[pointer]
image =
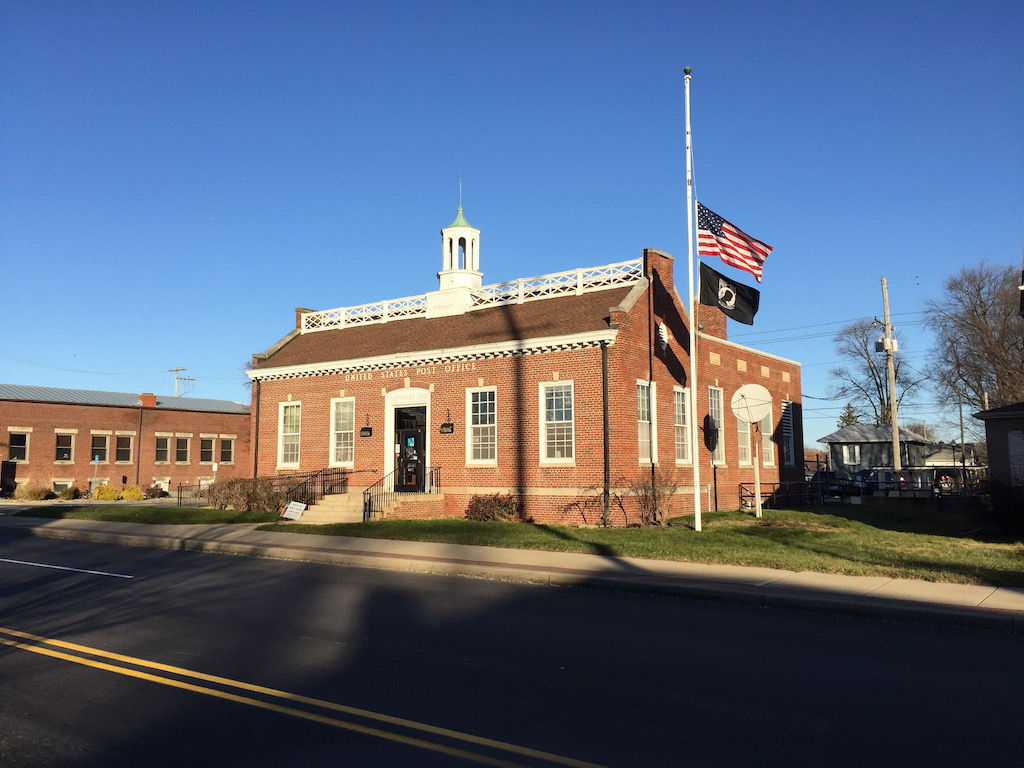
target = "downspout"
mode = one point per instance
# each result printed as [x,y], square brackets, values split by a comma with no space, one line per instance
[256,432]
[607,447]
[650,365]
[138,448]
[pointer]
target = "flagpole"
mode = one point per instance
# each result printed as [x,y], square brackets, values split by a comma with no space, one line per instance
[694,456]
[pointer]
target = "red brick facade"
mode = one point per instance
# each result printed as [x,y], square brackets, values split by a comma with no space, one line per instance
[643,329]
[58,440]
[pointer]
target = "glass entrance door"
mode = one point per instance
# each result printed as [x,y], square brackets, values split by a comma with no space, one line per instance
[410,435]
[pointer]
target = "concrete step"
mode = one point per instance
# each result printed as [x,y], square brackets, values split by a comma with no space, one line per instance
[336,508]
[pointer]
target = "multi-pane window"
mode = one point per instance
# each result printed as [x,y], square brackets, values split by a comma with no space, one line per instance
[742,441]
[205,450]
[717,422]
[291,416]
[483,425]
[788,449]
[343,430]
[682,424]
[557,436]
[851,455]
[181,450]
[99,448]
[64,449]
[227,450]
[643,420]
[162,450]
[17,443]
[123,448]
[767,446]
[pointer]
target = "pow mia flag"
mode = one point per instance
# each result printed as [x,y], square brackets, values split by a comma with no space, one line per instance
[734,299]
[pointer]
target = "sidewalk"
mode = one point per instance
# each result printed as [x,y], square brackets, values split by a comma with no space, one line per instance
[993,608]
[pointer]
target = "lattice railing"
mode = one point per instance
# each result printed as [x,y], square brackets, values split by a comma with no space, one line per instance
[576,281]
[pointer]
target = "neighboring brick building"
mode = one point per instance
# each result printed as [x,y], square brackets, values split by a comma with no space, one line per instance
[478,389]
[1004,436]
[50,438]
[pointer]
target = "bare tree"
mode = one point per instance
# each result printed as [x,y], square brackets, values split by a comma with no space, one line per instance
[863,381]
[979,337]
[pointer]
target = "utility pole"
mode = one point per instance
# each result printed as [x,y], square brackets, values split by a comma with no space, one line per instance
[890,348]
[178,378]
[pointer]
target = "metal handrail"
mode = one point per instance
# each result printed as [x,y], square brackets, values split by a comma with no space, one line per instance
[310,487]
[380,495]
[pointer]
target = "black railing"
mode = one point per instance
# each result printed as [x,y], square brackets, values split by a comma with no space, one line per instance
[310,487]
[382,493]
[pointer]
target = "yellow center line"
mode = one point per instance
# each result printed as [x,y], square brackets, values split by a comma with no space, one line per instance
[291,697]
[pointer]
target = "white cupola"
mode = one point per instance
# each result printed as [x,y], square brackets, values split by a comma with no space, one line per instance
[460,268]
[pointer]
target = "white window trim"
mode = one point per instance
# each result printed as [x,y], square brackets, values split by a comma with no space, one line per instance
[281,464]
[542,424]
[767,444]
[131,448]
[165,436]
[749,461]
[220,449]
[332,461]
[188,450]
[721,460]
[653,416]
[470,461]
[685,392]
[213,450]
[851,454]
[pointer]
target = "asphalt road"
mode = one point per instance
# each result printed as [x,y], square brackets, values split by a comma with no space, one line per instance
[145,657]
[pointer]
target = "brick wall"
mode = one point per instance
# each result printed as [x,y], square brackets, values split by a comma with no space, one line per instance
[141,425]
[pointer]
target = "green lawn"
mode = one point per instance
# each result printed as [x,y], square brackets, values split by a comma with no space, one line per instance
[126,512]
[902,539]
[871,539]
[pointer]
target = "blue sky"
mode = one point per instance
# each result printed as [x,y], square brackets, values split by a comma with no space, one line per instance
[176,178]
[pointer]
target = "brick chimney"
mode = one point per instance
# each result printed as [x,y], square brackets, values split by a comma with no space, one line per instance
[147,400]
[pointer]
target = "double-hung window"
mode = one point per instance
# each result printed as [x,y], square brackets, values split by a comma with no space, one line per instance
[767,444]
[851,455]
[181,448]
[163,450]
[743,442]
[681,405]
[206,450]
[343,432]
[643,421]
[482,434]
[227,450]
[99,448]
[717,422]
[557,436]
[288,435]
[64,450]
[123,449]
[17,446]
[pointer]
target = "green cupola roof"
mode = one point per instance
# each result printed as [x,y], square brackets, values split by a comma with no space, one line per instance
[460,220]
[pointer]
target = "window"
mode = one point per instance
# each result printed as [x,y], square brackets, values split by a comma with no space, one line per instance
[557,437]
[123,448]
[206,450]
[290,418]
[343,432]
[181,450]
[99,448]
[162,450]
[65,448]
[227,450]
[62,485]
[17,449]
[717,422]
[643,420]
[682,423]
[743,442]
[851,455]
[767,445]
[482,435]
[788,455]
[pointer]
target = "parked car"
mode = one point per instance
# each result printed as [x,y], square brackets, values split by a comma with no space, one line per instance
[886,480]
[835,482]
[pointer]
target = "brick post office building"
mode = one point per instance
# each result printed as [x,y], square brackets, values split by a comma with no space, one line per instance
[52,438]
[560,390]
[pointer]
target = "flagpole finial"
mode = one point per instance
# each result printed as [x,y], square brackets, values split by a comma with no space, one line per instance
[686,70]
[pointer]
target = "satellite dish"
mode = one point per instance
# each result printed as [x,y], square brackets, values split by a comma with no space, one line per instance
[751,403]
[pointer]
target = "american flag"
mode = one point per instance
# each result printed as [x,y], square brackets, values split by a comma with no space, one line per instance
[717,237]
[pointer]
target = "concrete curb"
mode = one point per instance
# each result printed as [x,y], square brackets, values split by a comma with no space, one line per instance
[766,593]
